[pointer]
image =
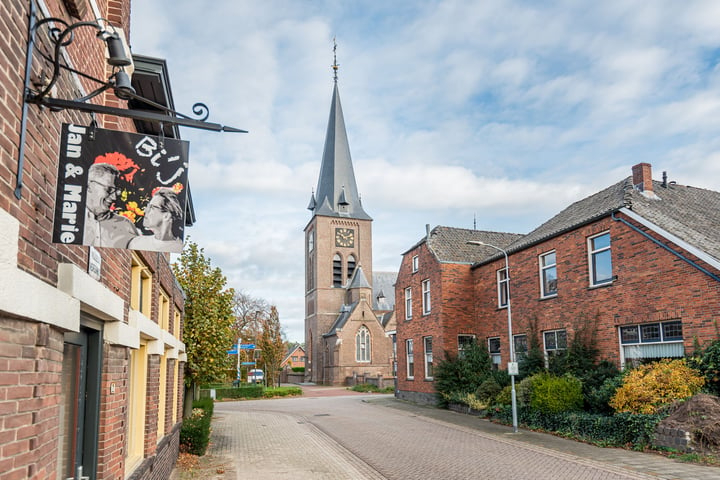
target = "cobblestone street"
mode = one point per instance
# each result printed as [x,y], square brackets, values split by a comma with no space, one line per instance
[325,436]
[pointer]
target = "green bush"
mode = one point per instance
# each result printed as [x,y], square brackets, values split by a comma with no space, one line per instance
[488,389]
[463,374]
[707,362]
[619,430]
[271,392]
[243,391]
[195,431]
[298,369]
[368,387]
[551,394]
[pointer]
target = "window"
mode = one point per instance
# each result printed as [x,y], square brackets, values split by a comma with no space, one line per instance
[600,259]
[548,274]
[164,311]
[415,263]
[136,407]
[350,266]
[362,345]
[555,343]
[410,359]
[337,271]
[408,303]
[295,358]
[464,341]
[311,241]
[427,345]
[494,351]
[502,287]
[426,296]
[651,341]
[521,346]
[140,288]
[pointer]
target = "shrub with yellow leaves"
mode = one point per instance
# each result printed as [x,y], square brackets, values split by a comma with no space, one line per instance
[648,387]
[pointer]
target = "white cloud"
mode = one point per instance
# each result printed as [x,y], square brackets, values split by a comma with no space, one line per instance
[501,110]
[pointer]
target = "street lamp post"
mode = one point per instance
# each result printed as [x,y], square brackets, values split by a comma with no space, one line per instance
[512,365]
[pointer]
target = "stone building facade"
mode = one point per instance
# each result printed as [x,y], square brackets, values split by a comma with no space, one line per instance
[91,351]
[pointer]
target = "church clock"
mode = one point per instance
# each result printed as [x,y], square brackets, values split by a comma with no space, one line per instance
[344,237]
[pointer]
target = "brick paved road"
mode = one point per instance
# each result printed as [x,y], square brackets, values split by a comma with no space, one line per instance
[356,437]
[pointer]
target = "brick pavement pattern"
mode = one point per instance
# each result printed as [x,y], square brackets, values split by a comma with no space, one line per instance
[378,437]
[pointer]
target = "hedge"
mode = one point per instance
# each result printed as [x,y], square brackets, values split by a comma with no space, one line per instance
[619,430]
[195,431]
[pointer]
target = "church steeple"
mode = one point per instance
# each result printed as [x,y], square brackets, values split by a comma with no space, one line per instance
[336,194]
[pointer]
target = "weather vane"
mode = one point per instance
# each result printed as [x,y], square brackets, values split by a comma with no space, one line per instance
[335,65]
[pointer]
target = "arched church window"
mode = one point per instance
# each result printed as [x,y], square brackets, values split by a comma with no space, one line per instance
[362,345]
[337,271]
[351,266]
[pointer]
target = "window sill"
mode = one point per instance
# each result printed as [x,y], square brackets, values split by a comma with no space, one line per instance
[429,379]
[548,297]
[601,285]
[410,379]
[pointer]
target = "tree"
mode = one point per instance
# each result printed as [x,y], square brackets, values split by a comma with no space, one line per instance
[209,319]
[272,345]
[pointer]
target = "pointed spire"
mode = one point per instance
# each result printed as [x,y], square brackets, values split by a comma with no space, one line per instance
[335,65]
[336,193]
[358,280]
[311,206]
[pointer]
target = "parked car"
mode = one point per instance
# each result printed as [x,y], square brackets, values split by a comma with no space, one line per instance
[255,376]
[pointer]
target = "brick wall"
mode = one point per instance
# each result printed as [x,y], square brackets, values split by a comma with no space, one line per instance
[30,376]
[652,285]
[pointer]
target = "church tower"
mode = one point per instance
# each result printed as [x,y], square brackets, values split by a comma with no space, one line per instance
[338,239]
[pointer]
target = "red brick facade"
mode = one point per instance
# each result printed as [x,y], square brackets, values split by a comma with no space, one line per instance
[656,280]
[65,336]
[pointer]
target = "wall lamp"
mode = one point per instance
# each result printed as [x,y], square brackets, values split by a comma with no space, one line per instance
[61,34]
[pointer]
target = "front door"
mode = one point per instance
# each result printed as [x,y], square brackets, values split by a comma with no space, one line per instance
[80,408]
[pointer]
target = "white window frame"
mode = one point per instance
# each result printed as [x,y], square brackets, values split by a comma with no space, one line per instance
[495,353]
[520,340]
[362,345]
[408,303]
[415,263]
[502,287]
[461,346]
[592,255]
[556,350]
[426,296]
[638,346]
[428,356]
[410,359]
[545,268]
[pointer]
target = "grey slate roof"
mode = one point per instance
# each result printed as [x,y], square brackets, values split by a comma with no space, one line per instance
[342,319]
[384,282]
[336,184]
[358,280]
[690,213]
[450,245]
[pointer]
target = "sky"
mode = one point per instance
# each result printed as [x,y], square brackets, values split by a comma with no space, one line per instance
[487,114]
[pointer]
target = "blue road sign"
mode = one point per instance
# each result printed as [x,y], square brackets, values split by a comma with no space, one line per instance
[247,346]
[232,352]
[247,363]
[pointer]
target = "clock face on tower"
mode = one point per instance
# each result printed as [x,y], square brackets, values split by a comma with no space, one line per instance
[344,237]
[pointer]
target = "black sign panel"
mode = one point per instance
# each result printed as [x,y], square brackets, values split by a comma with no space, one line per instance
[120,190]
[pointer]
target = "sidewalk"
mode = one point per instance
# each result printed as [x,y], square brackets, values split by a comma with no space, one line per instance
[641,462]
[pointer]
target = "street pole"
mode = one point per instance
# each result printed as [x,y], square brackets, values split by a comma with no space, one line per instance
[512,365]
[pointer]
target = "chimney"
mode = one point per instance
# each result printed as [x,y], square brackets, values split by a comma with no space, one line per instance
[642,177]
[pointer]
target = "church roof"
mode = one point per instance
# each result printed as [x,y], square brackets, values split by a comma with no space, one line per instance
[336,194]
[359,280]
[384,283]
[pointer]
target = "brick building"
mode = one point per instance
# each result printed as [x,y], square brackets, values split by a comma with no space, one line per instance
[91,352]
[349,321]
[637,263]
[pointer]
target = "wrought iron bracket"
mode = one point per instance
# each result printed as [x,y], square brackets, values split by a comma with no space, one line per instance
[61,35]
